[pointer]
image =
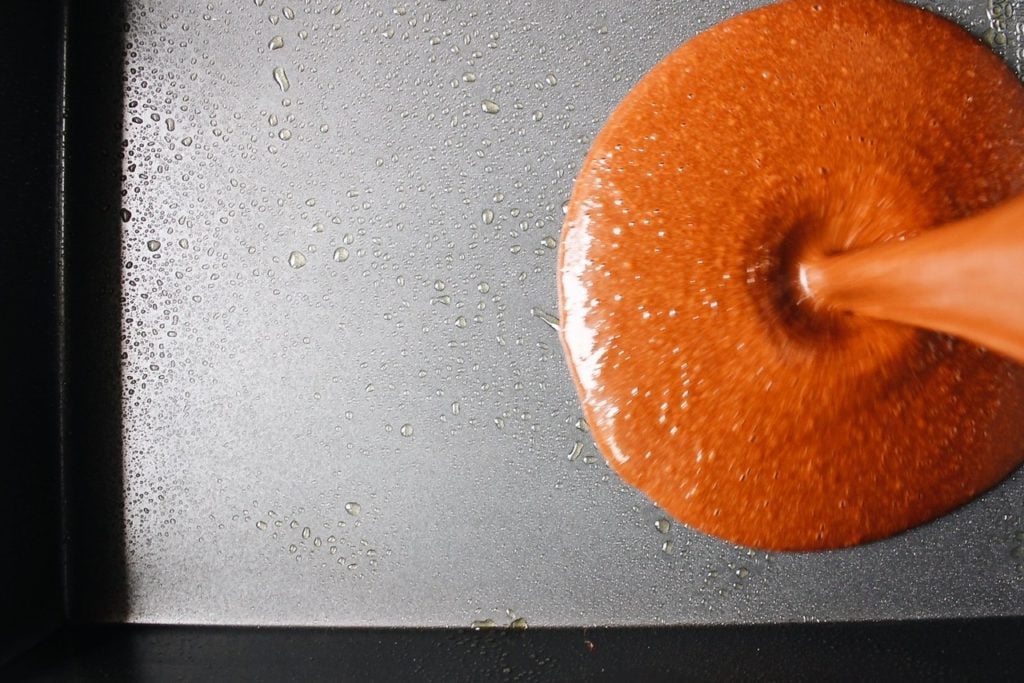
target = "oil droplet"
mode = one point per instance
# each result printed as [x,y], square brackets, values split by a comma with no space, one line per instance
[186,141]
[353,508]
[306,532]
[519,624]
[742,572]
[324,128]
[487,216]
[549,242]
[292,548]
[663,525]
[261,525]
[666,547]
[281,78]
[125,215]
[577,448]
[296,259]
[285,134]
[294,524]
[456,408]
[439,285]
[460,321]
[482,624]
[490,107]
[406,430]
[483,288]
[341,254]
[565,207]
[272,119]
[276,43]
[549,319]
[537,115]
[550,79]
[581,424]
[170,125]
[153,245]
[469,77]
[183,243]
[288,13]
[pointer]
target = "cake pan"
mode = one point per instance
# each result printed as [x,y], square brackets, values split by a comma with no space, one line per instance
[297,364]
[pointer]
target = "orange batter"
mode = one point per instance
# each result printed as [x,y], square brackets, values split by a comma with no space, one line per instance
[801,129]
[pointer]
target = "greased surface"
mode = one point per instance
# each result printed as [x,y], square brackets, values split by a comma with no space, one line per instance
[800,128]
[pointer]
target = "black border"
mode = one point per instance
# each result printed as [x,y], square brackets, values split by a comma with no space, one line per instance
[986,649]
[31,595]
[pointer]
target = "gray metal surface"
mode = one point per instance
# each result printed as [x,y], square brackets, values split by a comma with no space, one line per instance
[385,439]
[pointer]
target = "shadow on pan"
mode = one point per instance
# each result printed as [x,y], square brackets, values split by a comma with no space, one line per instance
[61,481]
[96,588]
